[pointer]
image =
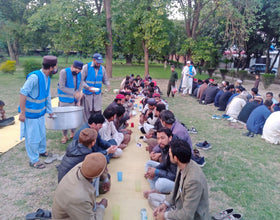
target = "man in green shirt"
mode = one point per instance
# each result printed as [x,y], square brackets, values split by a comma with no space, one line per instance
[172,81]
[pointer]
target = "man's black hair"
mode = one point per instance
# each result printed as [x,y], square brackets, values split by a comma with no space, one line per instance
[181,149]
[160,107]
[120,110]
[167,131]
[255,90]
[167,116]
[268,103]
[47,66]
[109,113]
[269,93]
[96,118]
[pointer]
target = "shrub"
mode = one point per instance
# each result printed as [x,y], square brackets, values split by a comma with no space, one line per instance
[267,79]
[8,67]
[223,73]
[210,71]
[242,74]
[31,65]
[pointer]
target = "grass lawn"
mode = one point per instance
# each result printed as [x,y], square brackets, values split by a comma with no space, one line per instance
[242,172]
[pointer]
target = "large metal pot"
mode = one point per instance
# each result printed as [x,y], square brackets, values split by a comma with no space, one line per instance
[65,118]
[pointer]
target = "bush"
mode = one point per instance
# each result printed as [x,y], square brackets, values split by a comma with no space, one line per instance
[8,67]
[267,79]
[223,73]
[242,74]
[31,65]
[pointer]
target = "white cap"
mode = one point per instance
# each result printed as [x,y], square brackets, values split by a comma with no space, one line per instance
[188,61]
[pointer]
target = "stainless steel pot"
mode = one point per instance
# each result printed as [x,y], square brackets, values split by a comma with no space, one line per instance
[65,118]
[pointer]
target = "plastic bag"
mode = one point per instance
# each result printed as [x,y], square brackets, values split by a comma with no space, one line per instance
[174,89]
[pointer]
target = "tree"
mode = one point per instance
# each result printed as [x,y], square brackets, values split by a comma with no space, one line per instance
[13,24]
[74,26]
[152,28]
[109,42]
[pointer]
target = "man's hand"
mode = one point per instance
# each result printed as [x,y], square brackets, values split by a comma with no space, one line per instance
[160,216]
[112,149]
[109,88]
[160,209]
[103,202]
[22,117]
[150,174]
[155,156]
[78,95]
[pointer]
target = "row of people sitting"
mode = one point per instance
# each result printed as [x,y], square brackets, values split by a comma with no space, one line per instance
[241,106]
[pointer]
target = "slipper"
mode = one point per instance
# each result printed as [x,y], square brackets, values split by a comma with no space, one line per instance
[46,154]
[51,159]
[37,165]
[40,214]
[64,140]
[72,135]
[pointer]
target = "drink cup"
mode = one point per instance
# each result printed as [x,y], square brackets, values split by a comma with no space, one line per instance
[137,185]
[132,124]
[116,212]
[119,174]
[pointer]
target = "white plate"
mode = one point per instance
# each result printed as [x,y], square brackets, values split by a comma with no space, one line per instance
[93,89]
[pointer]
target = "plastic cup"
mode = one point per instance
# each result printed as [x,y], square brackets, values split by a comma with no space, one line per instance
[132,124]
[116,212]
[119,174]
[137,185]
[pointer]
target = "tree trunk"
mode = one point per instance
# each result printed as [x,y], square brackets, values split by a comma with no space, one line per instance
[128,58]
[11,52]
[16,50]
[98,4]
[278,71]
[267,60]
[146,58]
[109,45]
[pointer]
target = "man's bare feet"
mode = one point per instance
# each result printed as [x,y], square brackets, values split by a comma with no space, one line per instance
[148,192]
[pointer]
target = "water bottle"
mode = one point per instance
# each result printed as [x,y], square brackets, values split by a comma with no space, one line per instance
[144,214]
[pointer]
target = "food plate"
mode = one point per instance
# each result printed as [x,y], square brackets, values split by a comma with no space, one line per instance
[94,89]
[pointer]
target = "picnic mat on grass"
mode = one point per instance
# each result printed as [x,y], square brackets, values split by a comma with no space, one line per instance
[132,164]
[10,135]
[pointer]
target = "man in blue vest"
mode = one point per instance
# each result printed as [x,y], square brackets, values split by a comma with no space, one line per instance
[68,90]
[93,75]
[35,102]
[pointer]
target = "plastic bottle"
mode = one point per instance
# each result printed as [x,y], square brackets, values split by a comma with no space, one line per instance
[144,214]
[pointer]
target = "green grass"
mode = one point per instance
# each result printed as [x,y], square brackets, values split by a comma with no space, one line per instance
[242,172]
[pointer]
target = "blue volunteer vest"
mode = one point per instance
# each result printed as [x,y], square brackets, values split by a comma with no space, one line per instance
[93,80]
[35,108]
[191,71]
[63,97]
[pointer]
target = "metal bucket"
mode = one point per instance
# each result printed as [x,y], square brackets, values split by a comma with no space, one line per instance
[68,117]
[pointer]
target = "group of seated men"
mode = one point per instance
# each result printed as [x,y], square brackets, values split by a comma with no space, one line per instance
[83,173]
[248,108]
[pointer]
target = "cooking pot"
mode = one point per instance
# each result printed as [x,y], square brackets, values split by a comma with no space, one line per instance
[64,118]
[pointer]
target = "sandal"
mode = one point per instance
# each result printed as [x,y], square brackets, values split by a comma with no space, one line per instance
[37,165]
[64,140]
[40,214]
[72,135]
[46,154]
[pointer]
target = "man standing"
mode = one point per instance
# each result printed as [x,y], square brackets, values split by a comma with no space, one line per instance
[35,102]
[189,72]
[172,81]
[93,75]
[75,195]
[189,198]
[68,90]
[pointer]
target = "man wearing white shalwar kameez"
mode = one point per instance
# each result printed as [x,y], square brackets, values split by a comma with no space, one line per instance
[271,129]
[188,74]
